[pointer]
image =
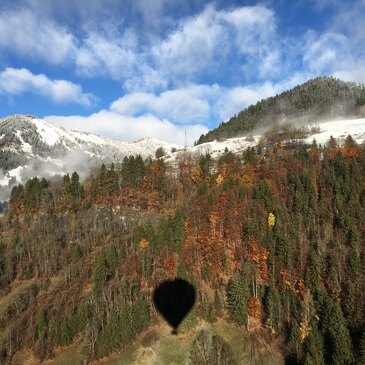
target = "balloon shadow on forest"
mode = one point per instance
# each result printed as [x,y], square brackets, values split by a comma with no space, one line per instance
[174,299]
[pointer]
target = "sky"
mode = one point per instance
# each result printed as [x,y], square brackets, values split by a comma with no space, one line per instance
[139,68]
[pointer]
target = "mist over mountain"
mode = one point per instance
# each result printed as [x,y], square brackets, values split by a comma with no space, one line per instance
[319,99]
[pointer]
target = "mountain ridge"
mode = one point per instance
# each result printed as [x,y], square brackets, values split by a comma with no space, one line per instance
[321,98]
[30,146]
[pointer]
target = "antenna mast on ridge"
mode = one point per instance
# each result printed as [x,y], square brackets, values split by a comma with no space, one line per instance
[186,141]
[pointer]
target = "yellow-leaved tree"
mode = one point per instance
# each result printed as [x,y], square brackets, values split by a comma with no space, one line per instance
[219,179]
[271,220]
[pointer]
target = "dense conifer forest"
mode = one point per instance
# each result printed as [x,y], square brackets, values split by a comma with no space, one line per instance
[272,240]
[319,98]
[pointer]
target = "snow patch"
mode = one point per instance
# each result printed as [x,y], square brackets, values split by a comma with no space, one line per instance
[88,138]
[49,133]
[340,129]
[217,148]
[26,147]
[12,173]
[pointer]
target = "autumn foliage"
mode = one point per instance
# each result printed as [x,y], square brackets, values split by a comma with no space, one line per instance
[275,234]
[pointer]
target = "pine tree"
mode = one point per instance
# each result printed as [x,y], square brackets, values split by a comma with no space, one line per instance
[338,347]
[76,189]
[313,273]
[238,293]
[361,358]
[218,303]
[340,341]
[140,315]
[314,348]
[41,326]
[295,346]
[272,307]
[178,229]
[190,321]
[100,273]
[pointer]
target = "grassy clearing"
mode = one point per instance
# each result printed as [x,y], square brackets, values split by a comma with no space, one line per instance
[173,349]
[129,356]
[158,346]
[234,335]
[248,349]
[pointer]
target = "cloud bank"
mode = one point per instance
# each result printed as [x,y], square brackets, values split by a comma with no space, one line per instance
[128,128]
[18,81]
[177,65]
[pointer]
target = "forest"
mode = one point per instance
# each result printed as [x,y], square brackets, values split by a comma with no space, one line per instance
[321,98]
[272,239]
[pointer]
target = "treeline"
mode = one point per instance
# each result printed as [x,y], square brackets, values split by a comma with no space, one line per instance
[272,239]
[320,98]
[133,182]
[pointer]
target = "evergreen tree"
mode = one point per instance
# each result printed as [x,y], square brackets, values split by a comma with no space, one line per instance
[340,342]
[361,352]
[238,293]
[101,273]
[314,348]
[295,346]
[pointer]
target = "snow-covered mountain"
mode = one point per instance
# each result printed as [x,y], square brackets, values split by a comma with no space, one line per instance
[31,146]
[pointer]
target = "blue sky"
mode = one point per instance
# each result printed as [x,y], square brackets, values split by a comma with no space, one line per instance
[136,68]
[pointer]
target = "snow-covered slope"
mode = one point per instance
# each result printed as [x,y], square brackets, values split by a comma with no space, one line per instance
[30,146]
[340,129]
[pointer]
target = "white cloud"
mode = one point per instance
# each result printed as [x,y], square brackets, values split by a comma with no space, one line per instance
[215,38]
[255,28]
[201,103]
[22,33]
[18,81]
[193,49]
[323,52]
[349,22]
[139,115]
[108,55]
[128,128]
[355,71]
[202,68]
[192,46]
[188,105]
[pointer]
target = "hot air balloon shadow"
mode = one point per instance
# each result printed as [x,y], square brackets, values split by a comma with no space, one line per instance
[174,299]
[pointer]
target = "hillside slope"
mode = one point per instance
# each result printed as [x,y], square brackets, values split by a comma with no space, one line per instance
[271,240]
[318,99]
